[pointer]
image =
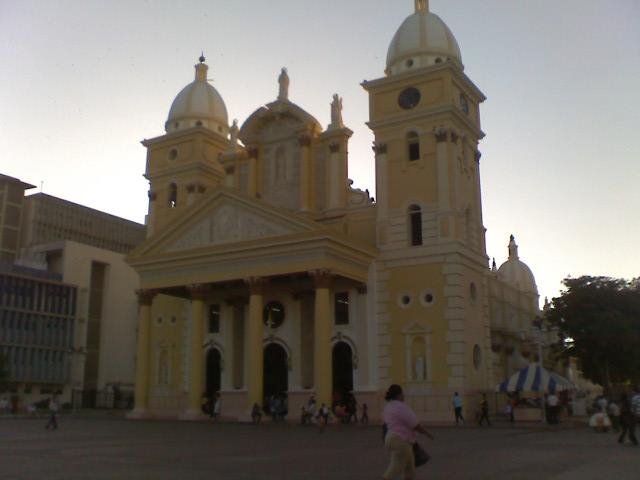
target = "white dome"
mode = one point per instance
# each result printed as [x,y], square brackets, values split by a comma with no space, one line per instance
[422,40]
[515,272]
[198,104]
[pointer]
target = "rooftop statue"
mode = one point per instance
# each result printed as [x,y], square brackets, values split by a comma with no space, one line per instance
[233,133]
[336,112]
[283,82]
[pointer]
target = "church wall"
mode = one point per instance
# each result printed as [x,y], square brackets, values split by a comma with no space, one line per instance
[280,174]
[408,311]
[167,353]
[384,104]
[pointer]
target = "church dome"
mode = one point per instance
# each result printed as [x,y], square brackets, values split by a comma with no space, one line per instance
[198,104]
[515,272]
[422,40]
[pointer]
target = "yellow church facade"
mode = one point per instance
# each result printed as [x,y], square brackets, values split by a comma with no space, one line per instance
[265,273]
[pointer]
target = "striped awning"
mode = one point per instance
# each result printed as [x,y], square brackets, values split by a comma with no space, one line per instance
[535,378]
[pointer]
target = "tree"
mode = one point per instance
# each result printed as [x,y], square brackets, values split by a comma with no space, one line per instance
[598,319]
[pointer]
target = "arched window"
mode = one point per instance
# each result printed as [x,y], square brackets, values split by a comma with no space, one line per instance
[413,146]
[173,195]
[415,222]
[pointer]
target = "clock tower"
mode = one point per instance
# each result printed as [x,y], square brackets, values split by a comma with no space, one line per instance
[424,114]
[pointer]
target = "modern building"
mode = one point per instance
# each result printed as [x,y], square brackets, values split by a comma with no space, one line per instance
[37,328]
[11,216]
[265,273]
[52,247]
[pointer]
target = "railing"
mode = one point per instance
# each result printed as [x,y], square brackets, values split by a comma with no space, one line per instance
[102,399]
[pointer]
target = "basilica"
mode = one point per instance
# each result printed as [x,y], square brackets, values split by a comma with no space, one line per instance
[264,272]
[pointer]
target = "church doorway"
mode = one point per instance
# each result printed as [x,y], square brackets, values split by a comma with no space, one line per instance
[276,379]
[342,369]
[213,371]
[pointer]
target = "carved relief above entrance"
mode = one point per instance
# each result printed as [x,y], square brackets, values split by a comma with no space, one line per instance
[227,224]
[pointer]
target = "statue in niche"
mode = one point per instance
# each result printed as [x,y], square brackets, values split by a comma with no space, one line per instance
[336,112]
[419,368]
[283,82]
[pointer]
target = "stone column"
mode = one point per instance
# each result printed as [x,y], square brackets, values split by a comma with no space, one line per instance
[254,341]
[382,192]
[335,176]
[196,356]
[322,361]
[252,175]
[151,214]
[230,176]
[305,172]
[145,299]
[442,161]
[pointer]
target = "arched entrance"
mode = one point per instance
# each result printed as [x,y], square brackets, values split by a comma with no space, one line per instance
[213,371]
[276,373]
[342,369]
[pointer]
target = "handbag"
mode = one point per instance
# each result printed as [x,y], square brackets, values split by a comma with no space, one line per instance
[420,455]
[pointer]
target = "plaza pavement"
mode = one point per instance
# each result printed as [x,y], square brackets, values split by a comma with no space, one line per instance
[114,448]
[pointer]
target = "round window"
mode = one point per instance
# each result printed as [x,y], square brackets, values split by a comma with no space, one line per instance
[477,356]
[427,298]
[404,300]
[173,154]
[410,63]
[273,314]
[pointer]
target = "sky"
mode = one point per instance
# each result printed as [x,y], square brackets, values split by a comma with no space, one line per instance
[83,82]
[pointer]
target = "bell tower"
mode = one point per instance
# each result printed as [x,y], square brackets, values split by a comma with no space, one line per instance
[425,117]
[183,164]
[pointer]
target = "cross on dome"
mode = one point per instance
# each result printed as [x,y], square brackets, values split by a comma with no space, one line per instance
[422,5]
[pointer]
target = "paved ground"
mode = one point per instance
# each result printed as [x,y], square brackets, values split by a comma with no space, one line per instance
[112,448]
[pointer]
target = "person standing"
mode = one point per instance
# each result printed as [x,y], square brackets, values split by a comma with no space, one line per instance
[627,420]
[54,406]
[402,425]
[457,407]
[552,405]
[215,411]
[364,415]
[256,414]
[322,417]
[614,415]
[484,411]
[635,404]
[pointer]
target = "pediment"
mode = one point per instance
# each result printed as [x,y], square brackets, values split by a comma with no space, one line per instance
[416,328]
[228,223]
[224,217]
[279,118]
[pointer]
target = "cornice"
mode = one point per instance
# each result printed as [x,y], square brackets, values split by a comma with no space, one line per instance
[403,118]
[419,73]
[171,138]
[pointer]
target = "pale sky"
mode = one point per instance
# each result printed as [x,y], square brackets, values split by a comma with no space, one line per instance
[82,82]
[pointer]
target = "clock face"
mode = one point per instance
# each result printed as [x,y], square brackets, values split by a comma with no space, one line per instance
[409,98]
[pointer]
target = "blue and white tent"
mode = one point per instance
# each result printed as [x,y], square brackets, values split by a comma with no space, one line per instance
[535,378]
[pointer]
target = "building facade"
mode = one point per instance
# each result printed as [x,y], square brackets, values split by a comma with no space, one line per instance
[52,246]
[37,328]
[265,273]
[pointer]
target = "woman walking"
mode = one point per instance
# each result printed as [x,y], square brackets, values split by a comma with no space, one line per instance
[402,425]
[627,420]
